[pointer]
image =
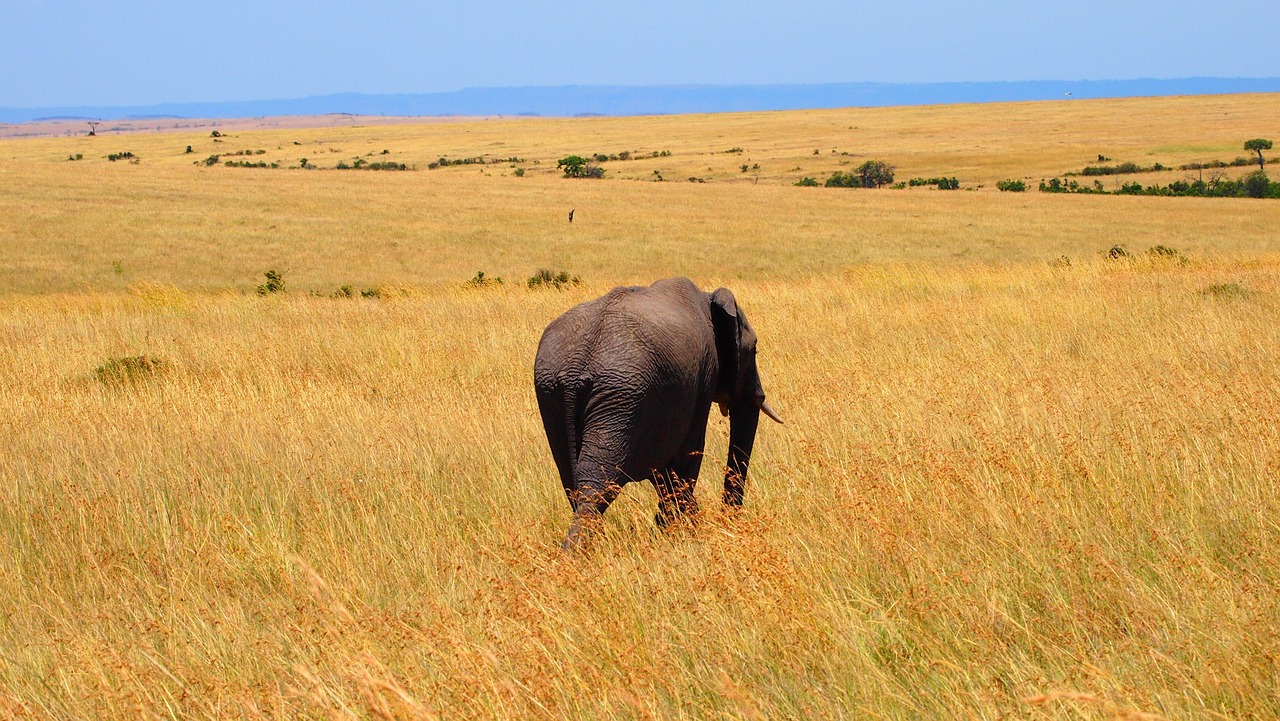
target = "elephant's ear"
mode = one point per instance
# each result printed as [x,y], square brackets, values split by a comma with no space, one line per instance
[729,341]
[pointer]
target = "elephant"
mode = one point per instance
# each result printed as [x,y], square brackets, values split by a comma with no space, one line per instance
[625,383]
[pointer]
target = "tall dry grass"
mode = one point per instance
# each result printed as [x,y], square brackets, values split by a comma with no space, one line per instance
[1017,490]
[1008,486]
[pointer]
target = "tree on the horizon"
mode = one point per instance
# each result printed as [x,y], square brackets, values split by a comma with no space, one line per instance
[1258,145]
[93,127]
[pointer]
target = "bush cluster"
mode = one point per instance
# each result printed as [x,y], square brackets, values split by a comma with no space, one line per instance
[126,155]
[549,279]
[442,162]
[1253,185]
[480,281]
[1011,186]
[362,164]
[274,284]
[942,183]
[576,166]
[1118,169]
[1237,163]
[871,174]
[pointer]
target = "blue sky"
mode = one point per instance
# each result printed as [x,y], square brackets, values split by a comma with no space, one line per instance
[57,53]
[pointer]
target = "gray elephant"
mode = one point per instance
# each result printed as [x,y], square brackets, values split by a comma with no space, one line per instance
[625,383]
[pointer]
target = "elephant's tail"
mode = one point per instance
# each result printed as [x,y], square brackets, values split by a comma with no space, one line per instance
[577,392]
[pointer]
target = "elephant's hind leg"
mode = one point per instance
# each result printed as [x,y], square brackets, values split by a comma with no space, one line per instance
[590,500]
[551,405]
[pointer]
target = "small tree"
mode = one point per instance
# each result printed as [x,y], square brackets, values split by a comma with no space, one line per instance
[1258,145]
[875,173]
[576,166]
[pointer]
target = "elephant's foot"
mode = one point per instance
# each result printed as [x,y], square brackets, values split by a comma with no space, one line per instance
[590,502]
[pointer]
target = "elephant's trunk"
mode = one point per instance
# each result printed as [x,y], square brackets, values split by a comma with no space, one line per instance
[743,420]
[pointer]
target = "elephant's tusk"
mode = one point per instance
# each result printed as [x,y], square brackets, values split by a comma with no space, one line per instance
[768,411]
[724,408]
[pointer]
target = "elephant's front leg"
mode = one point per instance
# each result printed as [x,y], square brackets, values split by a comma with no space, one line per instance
[589,499]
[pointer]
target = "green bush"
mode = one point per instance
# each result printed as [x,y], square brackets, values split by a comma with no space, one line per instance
[1256,185]
[549,279]
[480,281]
[942,183]
[1121,169]
[808,182]
[576,166]
[274,284]
[871,174]
[1011,186]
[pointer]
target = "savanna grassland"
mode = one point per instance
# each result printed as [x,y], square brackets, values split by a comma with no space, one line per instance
[1019,478]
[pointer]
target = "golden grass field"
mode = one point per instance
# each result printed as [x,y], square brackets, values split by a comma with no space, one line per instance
[1009,486]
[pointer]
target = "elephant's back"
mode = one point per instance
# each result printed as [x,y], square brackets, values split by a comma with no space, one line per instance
[664,328]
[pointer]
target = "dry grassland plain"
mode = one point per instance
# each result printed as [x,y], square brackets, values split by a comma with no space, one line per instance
[1010,486]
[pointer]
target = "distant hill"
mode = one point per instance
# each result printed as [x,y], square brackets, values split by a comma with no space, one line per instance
[582,100]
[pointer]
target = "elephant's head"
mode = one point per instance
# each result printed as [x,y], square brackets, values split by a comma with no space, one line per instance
[738,392]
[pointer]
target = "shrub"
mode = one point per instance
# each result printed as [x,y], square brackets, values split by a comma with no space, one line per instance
[548,279]
[1011,186]
[1256,184]
[128,369]
[479,281]
[1118,252]
[942,183]
[1162,251]
[875,173]
[871,174]
[807,182]
[126,155]
[344,291]
[576,166]
[1121,169]
[274,284]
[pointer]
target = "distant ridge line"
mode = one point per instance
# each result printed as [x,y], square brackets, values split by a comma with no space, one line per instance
[615,100]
